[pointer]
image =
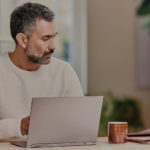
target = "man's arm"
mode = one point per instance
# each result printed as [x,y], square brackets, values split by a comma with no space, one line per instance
[72,83]
[14,127]
[9,128]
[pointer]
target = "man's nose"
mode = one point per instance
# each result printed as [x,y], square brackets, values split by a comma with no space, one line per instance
[52,44]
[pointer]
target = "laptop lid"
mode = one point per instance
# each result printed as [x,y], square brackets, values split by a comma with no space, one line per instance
[64,121]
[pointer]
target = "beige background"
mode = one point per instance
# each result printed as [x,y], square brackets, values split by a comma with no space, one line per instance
[112,51]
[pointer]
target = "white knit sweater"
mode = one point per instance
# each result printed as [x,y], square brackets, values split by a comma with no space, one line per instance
[17,87]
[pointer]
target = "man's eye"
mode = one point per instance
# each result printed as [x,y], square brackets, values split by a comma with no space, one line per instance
[45,39]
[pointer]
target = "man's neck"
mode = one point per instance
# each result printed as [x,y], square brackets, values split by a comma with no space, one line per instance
[19,58]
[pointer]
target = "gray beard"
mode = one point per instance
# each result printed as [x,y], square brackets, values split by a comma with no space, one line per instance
[34,59]
[39,60]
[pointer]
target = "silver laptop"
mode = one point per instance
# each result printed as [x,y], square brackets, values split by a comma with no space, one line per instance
[67,121]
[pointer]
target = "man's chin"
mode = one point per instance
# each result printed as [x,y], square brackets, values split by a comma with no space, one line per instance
[46,61]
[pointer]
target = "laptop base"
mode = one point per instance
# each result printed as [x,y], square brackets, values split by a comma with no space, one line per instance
[24,144]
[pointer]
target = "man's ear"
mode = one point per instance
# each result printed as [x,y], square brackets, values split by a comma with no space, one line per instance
[22,40]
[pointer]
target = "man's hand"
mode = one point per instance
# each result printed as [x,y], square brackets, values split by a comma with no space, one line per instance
[25,125]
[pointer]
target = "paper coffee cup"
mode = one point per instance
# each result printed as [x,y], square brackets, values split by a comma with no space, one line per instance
[117,132]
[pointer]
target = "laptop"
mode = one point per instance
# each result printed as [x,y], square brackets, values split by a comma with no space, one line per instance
[63,121]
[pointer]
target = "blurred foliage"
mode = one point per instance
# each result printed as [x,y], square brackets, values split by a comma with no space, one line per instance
[120,109]
[144,11]
[144,8]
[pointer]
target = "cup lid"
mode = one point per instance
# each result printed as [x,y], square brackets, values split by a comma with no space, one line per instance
[117,122]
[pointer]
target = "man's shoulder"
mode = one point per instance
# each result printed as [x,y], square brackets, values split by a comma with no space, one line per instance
[3,57]
[3,64]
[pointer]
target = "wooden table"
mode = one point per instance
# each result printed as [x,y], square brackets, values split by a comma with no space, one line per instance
[102,144]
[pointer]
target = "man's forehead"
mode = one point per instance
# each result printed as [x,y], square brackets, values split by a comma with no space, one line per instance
[44,27]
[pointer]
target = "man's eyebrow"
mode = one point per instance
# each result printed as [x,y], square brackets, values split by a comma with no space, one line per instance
[53,35]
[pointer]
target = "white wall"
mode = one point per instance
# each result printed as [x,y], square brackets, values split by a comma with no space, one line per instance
[112,51]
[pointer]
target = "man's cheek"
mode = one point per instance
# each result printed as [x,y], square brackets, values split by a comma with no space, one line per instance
[38,51]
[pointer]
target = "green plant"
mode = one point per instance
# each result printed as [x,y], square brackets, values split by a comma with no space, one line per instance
[144,8]
[144,11]
[120,109]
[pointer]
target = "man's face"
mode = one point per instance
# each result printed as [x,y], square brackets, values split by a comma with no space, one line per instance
[41,42]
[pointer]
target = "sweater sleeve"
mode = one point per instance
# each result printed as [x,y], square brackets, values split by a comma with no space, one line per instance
[72,83]
[10,128]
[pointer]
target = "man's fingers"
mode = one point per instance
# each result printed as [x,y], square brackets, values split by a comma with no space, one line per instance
[25,125]
[25,130]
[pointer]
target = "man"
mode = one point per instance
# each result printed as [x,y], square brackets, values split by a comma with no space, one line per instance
[30,70]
